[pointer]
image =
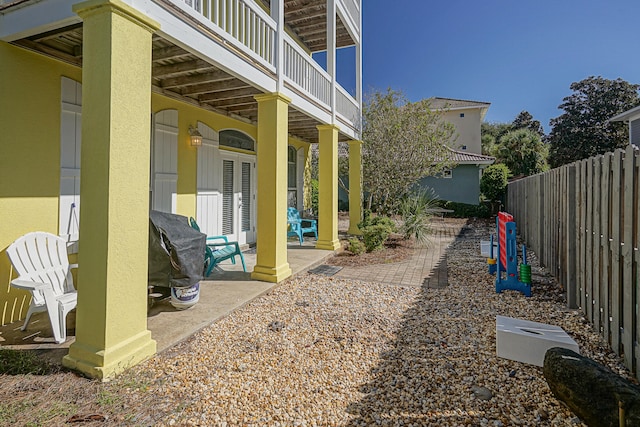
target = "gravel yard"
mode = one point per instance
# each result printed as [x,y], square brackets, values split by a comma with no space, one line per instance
[321,351]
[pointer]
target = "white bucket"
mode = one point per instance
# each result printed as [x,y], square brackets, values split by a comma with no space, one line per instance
[485,246]
[183,298]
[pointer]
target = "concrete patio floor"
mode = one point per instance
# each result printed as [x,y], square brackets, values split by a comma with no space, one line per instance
[228,289]
[231,288]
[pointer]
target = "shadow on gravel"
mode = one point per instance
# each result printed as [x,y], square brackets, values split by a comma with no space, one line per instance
[416,377]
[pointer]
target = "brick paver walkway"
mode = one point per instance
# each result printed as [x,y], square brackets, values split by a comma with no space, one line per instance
[427,266]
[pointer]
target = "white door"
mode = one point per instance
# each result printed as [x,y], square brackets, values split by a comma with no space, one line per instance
[238,197]
[164,161]
[208,206]
[70,138]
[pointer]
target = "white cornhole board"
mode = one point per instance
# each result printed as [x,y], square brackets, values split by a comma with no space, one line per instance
[525,341]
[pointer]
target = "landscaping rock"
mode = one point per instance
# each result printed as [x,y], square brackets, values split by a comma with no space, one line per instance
[590,390]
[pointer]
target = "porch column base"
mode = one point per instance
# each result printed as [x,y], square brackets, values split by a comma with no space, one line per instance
[104,363]
[329,245]
[269,274]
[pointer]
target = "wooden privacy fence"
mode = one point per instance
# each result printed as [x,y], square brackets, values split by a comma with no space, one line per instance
[582,222]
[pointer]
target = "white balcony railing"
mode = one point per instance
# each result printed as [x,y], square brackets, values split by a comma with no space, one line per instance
[301,70]
[244,21]
[347,106]
[353,8]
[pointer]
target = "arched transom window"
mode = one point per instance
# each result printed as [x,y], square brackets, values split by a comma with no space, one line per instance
[236,139]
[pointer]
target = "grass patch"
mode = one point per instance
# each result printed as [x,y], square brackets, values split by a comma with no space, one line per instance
[23,362]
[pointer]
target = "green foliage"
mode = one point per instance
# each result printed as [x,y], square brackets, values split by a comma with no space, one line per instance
[584,130]
[415,212]
[525,120]
[402,142]
[522,151]
[22,362]
[374,236]
[493,183]
[464,210]
[314,196]
[375,230]
[520,145]
[356,246]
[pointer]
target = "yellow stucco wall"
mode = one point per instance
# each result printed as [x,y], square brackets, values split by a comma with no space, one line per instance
[30,160]
[30,111]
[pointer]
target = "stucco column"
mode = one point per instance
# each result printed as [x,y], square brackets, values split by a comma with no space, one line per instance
[111,319]
[271,155]
[328,187]
[355,186]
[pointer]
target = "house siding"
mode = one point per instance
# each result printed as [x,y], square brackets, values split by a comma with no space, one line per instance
[462,187]
[30,115]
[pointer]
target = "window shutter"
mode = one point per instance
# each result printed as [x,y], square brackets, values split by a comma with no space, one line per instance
[227,197]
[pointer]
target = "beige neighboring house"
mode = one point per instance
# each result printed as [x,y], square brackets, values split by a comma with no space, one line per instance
[461,183]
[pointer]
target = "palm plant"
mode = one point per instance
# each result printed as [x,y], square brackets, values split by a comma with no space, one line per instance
[416,211]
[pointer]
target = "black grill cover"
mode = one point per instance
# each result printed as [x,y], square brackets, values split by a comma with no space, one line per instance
[176,251]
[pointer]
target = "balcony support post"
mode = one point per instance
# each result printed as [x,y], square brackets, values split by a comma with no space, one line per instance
[355,186]
[331,53]
[271,226]
[111,319]
[277,13]
[328,188]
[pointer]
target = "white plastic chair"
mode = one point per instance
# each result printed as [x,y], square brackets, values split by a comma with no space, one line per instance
[40,259]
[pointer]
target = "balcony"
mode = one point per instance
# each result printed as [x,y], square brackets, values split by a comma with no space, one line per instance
[218,54]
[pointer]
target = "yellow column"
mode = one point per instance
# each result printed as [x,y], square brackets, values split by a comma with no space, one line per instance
[271,227]
[355,186]
[111,319]
[328,188]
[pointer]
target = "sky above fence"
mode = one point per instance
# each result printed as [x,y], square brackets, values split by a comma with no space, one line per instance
[517,55]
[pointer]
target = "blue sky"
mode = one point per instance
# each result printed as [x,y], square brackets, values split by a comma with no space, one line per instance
[517,55]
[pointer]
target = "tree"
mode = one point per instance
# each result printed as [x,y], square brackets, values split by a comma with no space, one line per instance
[525,120]
[493,183]
[583,130]
[491,134]
[402,142]
[522,151]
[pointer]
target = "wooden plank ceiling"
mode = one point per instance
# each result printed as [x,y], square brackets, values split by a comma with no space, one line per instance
[179,74]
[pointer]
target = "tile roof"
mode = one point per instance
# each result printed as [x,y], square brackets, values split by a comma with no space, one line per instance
[437,103]
[463,157]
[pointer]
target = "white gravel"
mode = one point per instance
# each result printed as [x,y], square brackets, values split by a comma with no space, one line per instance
[318,351]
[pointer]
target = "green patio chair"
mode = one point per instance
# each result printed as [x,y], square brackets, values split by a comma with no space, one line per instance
[218,249]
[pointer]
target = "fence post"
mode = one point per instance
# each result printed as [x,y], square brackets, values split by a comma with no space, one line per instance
[571,241]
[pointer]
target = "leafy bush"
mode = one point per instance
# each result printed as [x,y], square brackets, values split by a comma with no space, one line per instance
[366,219]
[314,196]
[374,236]
[356,247]
[415,212]
[464,210]
[493,183]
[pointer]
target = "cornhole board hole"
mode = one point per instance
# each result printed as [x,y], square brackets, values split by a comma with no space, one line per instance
[527,342]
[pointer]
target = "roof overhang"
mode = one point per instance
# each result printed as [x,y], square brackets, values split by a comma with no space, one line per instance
[628,115]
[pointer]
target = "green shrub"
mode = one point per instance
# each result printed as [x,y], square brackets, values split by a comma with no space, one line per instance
[366,219]
[374,236]
[314,196]
[464,210]
[493,183]
[356,247]
[415,212]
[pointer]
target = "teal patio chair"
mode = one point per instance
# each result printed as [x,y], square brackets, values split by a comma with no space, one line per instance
[298,226]
[218,249]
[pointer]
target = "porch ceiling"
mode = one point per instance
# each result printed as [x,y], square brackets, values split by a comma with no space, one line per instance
[179,74]
[308,20]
